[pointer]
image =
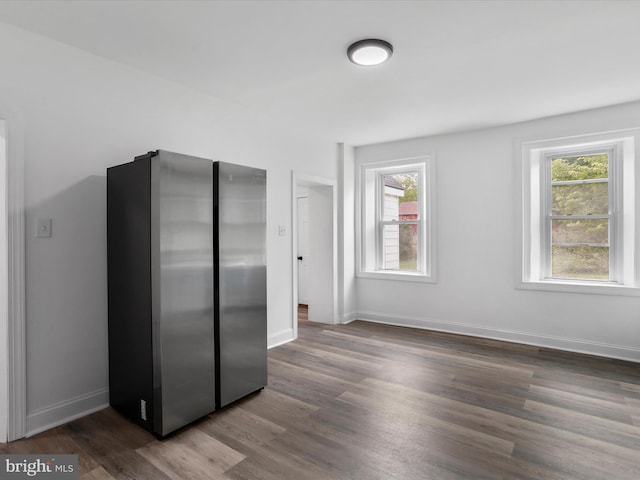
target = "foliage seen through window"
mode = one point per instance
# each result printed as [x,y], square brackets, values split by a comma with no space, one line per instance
[580,222]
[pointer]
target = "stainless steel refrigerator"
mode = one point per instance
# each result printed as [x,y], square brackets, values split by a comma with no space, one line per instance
[186,286]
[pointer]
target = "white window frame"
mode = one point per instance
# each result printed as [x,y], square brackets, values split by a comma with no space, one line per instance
[370,218]
[535,194]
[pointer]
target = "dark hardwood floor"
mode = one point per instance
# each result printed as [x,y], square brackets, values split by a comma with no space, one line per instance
[367,401]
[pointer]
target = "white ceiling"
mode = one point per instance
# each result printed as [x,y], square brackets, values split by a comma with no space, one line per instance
[457,65]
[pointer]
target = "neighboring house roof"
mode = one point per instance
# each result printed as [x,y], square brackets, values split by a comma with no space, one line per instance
[389,181]
[409,208]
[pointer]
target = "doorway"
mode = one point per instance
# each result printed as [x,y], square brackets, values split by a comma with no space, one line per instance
[314,249]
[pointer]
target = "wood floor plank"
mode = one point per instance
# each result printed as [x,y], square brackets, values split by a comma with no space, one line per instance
[622,439]
[610,392]
[630,390]
[405,352]
[96,474]
[318,364]
[129,465]
[368,401]
[400,448]
[179,462]
[612,410]
[278,466]
[242,430]
[56,440]
[352,359]
[277,407]
[627,435]
[191,454]
[407,416]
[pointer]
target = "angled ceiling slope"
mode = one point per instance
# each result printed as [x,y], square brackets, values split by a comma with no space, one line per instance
[456,65]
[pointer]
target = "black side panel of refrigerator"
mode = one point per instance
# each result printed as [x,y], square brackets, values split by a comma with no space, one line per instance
[129,291]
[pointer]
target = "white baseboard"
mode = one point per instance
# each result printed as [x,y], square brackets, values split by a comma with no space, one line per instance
[548,341]
[283,336]
[64,412]
[349,317]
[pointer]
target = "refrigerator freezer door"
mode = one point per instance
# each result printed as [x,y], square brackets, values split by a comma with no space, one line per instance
[183,298]
[242,315]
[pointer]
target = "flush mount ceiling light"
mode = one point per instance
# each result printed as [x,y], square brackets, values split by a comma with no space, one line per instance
[371,51]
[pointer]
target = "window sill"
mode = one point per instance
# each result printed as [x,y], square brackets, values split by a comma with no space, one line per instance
[399,276]
[580,287]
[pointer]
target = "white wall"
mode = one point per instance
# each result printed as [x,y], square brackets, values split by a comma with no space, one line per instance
[82,114]
[478,252]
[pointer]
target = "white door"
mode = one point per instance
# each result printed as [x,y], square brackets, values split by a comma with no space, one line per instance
[321,277]
[303,250]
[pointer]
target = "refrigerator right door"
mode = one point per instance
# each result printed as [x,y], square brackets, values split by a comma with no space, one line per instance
[241,316]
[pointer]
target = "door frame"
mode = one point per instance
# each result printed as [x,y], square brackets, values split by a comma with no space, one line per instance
[12,319]
[304,180]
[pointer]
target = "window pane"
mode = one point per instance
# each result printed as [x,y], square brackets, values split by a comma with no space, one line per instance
[580,167]
[400,247]
[580,231]
[580,199]
[401,196]
[391,247]
[580,262]
[586,263]
[409,246]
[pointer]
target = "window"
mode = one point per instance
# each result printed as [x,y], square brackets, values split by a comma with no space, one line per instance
[580,216]
[399,222]
[579,213]
[396,220]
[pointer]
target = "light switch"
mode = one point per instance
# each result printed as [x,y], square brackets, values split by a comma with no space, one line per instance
[43,227]
[282,230]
